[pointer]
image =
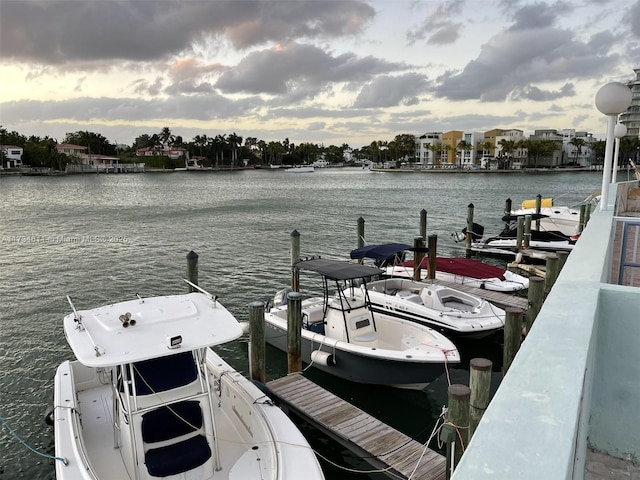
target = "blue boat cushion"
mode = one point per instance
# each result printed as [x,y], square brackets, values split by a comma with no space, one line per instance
[177,458]
[164,373]
[173,421]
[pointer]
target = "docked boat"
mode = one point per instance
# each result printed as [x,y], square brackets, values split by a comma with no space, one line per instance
[556,218]
[506,242]
[147,398]
[343,336]
[454,313]
[464,271]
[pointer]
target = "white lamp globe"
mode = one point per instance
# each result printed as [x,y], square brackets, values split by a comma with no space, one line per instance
[620,130]
[613,98]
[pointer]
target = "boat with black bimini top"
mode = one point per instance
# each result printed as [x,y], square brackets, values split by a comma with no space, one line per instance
[147,398]
[343,336]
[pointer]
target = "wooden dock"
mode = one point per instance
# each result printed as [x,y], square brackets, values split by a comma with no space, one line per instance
[376,442]
[502,300]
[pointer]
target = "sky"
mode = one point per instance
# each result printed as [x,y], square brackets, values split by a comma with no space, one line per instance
[330,72]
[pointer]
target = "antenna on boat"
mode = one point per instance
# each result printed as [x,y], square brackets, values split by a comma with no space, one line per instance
[78,319]
[213,298]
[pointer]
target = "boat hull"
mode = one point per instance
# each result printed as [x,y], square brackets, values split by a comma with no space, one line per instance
[359,368]
[424,358]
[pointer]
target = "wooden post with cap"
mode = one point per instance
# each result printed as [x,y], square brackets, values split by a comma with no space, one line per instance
[192,269]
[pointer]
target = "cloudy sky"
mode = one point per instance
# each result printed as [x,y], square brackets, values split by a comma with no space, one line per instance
[321,71]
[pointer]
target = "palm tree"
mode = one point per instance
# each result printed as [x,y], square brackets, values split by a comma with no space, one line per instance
[234,140]
[463,146]
[578,143]
[436,149]
[508,147]
[200,141]
[166,137]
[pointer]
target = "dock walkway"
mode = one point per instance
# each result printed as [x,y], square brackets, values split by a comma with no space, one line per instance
[381,445]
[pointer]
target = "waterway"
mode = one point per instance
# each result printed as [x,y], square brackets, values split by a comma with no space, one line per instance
[104,238]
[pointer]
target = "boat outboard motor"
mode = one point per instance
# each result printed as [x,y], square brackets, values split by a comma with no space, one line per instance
[280,298]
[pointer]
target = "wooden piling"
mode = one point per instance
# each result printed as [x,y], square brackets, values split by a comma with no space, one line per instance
[536,298]
[432,246]
[480,385]
[527,231]
[192,269]
[538,209]
[418,255]
[295,258]
[552,270]
[469,237]
[294,332]
[458,418]
[519,233]
[587,213]
[562,259]
[257,342]
[360,241]
[423,223]
[583,212]
[512,336]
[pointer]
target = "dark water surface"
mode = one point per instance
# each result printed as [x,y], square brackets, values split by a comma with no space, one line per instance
[103,238]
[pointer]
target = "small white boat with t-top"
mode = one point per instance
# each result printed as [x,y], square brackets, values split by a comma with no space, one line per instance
[147,398]
[343,336]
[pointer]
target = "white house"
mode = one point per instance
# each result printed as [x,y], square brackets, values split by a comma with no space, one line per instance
[12,156]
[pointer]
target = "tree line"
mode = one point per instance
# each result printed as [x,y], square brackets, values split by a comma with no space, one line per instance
[230,150]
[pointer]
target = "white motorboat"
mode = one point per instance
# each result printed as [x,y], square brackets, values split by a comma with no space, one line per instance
[147,398]
[464,271]
[506,242]
[454,313]
[556,218]
[343,336]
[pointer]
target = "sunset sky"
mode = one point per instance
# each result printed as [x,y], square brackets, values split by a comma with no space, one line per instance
[321,71]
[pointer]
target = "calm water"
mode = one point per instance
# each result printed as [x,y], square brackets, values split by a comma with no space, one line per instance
[104,238]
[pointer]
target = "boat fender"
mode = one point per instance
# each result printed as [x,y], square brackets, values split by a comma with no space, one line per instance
[49,416]
[245,327]
[323,358]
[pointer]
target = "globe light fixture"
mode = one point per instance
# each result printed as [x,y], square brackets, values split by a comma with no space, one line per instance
[619,131]
[612,99]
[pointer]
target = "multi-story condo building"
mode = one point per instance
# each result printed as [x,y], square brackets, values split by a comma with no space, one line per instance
[450,153]
[470,153]
[427,150]
[631,117]
[546,158]
[508,149]
[577,147]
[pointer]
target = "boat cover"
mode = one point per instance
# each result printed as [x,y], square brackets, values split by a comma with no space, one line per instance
[467,267]
[338,269]
[379,252]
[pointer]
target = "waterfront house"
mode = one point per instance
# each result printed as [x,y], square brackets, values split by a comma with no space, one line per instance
[11,156]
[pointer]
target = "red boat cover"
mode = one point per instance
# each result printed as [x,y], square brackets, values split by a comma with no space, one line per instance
[462,266]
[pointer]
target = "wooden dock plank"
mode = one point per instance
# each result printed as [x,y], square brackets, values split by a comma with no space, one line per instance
[358,430]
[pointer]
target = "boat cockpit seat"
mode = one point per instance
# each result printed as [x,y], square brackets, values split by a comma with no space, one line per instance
[178,457]
[173,439]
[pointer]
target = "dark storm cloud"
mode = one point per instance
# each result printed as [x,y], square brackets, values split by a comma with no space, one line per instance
[530,92]
[301,69]
[87,110]
[440,26]
[62,31]
[514,60]
[389,91]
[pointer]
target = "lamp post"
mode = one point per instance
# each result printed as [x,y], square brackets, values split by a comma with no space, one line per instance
[619,131]
[612,99]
